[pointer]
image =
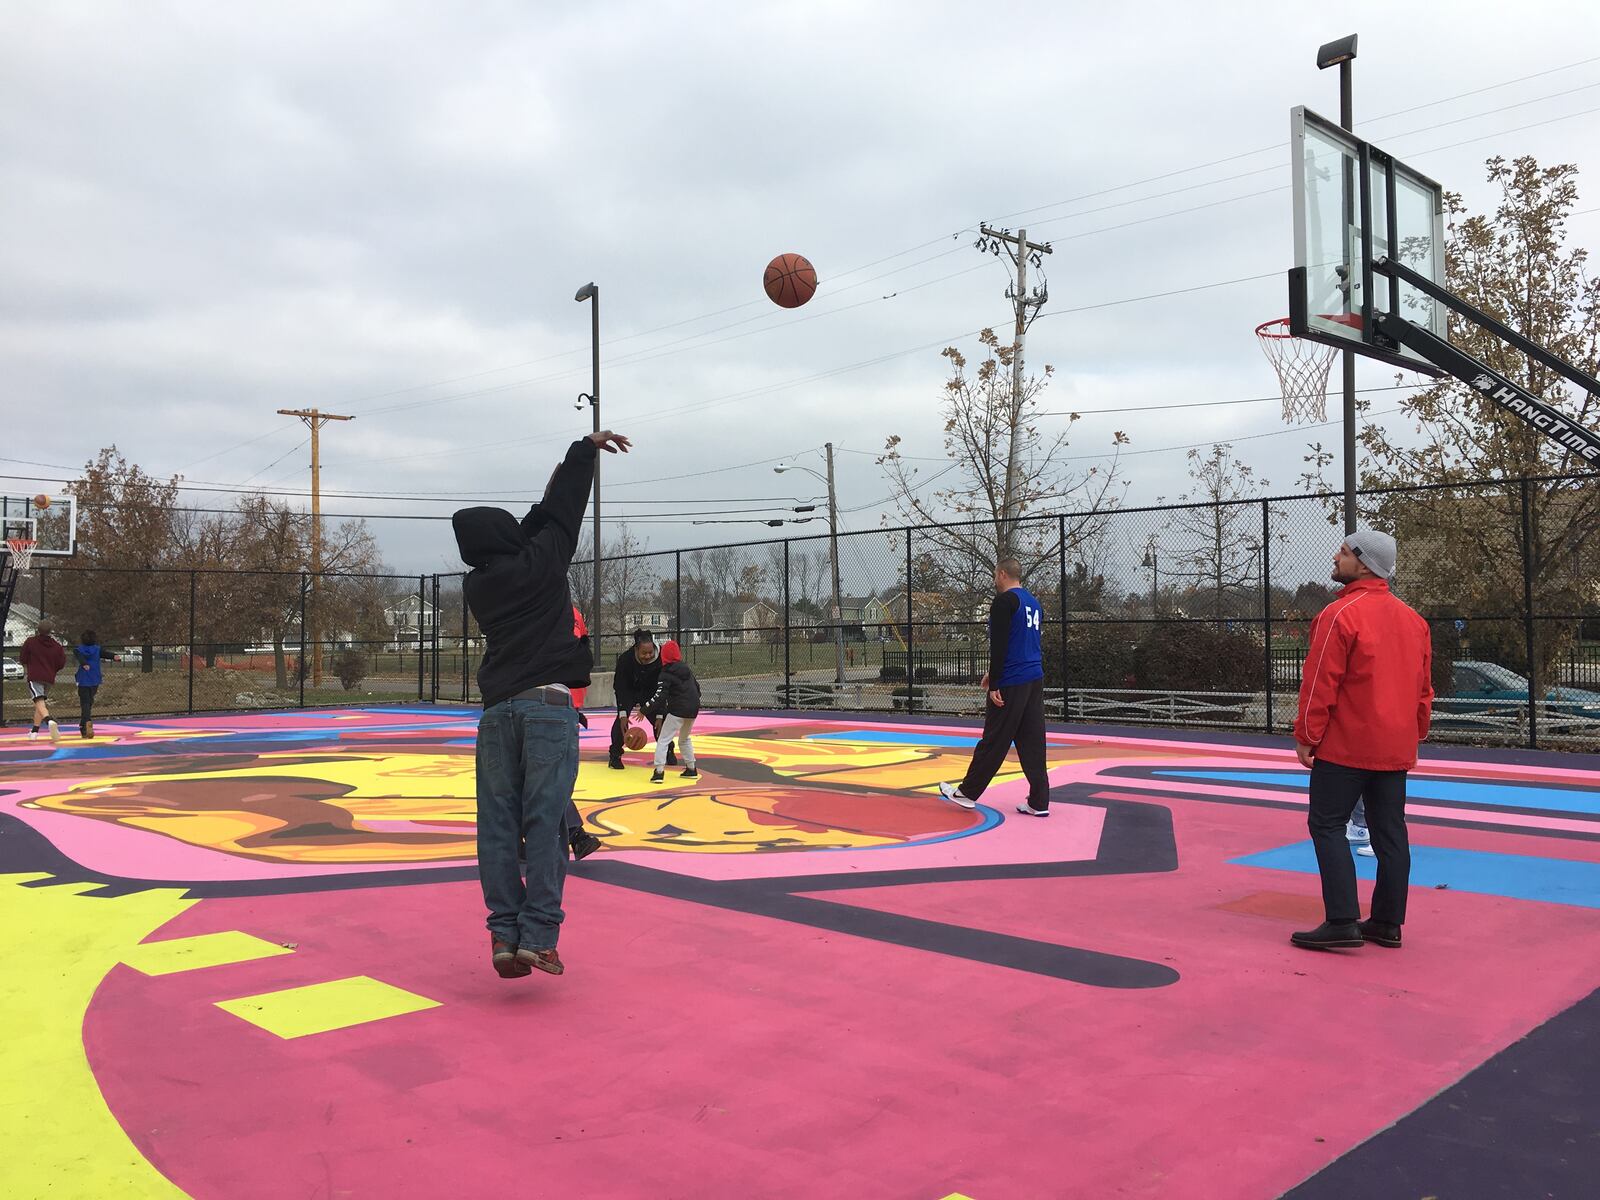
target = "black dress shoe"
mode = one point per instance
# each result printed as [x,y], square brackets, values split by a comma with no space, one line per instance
[672,756]
[615,762]
[1330,935]
[1380,932]
[584,844]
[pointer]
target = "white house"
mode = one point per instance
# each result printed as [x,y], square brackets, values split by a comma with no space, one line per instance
[410,620]
[22,622]
[656,620]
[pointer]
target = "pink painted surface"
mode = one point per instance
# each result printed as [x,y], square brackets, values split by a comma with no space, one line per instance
[694,1051]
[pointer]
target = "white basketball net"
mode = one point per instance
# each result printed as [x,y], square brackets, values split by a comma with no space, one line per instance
[21,552]
[1302,368]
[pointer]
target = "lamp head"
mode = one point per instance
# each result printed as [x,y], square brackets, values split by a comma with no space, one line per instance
[587,292]
[1334,53]
[781,468]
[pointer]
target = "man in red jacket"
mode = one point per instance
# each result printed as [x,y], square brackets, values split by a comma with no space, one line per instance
[42,658]
[1366,695]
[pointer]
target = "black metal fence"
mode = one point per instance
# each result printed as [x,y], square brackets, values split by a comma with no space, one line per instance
[1174,615]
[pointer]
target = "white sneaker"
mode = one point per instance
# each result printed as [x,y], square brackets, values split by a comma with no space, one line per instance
[1366,851]
[55,732]
[1360,835]
[953,794]
[33,735]
[1028,810]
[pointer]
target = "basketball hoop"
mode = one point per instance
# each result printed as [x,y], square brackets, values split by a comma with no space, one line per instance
[21,552]
[1302,368]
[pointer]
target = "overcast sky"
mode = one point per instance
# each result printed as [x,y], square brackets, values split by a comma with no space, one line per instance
[215,211]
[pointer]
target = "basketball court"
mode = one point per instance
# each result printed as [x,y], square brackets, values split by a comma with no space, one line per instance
[247,959]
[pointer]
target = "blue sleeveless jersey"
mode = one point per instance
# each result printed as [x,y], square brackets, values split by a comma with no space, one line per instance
[1024,654]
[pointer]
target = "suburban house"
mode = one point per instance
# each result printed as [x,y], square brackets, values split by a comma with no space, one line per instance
[22,622]
[745,622]
[409,620]
[657,621]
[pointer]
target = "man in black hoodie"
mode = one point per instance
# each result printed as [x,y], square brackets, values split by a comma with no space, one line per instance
[528,736]
[638,673]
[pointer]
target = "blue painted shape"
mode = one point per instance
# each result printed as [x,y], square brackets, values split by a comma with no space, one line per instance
[1517,876]
[894,737]
[1503,795]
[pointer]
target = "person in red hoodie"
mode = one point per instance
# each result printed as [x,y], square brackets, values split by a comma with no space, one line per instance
[42,658]
[1366,696]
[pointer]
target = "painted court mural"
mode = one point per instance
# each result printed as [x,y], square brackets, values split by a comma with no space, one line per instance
[245,959]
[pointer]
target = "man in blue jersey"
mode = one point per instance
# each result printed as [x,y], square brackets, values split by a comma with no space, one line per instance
[1014,711]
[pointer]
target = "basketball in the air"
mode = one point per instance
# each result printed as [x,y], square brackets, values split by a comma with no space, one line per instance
[790,280]
[41,502]
[635,738]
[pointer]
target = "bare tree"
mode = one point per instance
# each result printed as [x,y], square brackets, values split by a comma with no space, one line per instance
[981,415]
[1220,538]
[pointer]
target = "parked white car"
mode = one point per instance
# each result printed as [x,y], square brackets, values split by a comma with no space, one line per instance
[10,668]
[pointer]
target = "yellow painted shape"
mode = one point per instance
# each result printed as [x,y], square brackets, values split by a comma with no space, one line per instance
[321,1007]
[57,1137]
[204,950]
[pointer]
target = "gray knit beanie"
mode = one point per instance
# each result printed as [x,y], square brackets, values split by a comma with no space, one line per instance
[1376,550]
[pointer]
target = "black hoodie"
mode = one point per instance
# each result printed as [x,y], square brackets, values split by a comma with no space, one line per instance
[517,588]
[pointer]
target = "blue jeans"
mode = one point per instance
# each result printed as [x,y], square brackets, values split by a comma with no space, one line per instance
[527,766]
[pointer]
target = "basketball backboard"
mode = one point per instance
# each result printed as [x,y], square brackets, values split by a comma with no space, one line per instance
[54,527]
[1354,203]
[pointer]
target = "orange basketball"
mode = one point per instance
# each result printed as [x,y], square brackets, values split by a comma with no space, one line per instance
[41,502]
[635,738]
[790,280]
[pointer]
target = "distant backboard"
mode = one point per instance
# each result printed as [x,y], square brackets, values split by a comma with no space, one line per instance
[54,527]
[1354,203]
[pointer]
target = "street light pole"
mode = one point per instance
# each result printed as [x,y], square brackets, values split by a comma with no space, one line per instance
[1342,54]
[833,555]
[591,293]
[833,551]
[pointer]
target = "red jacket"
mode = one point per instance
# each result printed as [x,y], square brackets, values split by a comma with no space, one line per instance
[43,657]
[1366,692]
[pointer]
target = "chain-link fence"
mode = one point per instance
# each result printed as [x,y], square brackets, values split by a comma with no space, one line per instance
[1174,615]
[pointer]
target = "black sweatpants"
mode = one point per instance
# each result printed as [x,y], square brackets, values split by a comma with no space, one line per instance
[1019,722]
[1334,792]
[619,728]
[86,704]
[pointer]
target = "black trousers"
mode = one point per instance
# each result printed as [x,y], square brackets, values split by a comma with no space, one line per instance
[1334,792]
[619,727]
[1019,722]
[86,704]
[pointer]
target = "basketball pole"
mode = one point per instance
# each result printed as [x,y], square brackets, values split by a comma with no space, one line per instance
[1341,54]
[315,419]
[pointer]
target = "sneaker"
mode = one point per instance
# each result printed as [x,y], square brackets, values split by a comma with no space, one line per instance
[504,957]
[87,729]
[614,761]
[1381,933]
[953,794]
[1357,834]
[55,732]
[1330,935]
[33,734]
[1029,810]
[1366,851]
[584,844]
[689,773]
[672,756]
[659,775]
[547,961]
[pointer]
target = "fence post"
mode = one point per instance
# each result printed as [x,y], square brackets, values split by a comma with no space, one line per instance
[1061,552]
[911,644]
[1535,688]
[433,688]
[192,591]
[788,681]
[1266,602]
[422,637]
[677,595]
[300,663]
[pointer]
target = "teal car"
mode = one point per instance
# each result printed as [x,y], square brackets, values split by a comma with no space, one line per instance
[1486,689]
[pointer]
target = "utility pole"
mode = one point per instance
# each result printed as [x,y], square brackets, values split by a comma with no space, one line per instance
[1021,252]
[833,553]
[314,419]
